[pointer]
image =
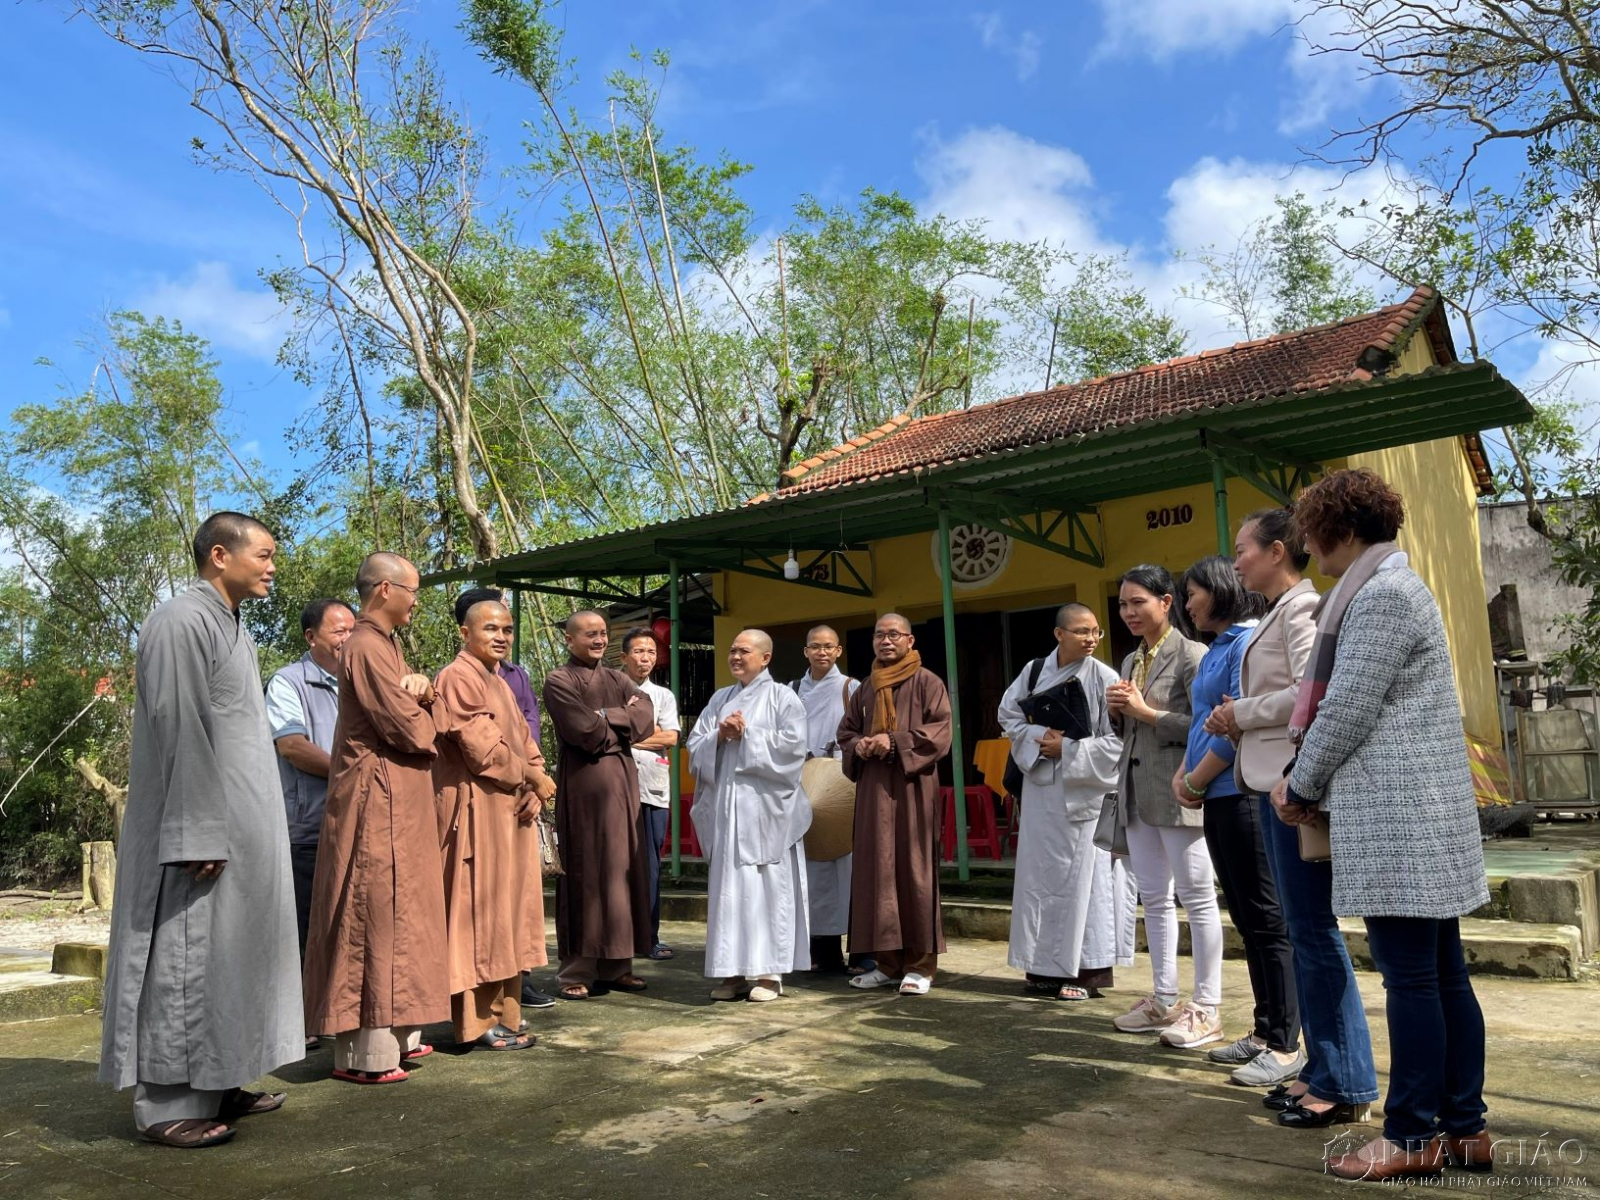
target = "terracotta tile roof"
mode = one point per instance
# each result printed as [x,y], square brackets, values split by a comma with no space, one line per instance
[1350,351]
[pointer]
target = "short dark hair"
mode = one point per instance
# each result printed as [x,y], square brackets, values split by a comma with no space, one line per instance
[311,615]
[1230,601]
[1277,525]
[634,634]
[1349,503]
[1064,613]
[1157,580]
[230,530]
[478,595]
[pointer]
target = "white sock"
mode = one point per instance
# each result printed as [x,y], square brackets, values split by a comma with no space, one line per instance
[1167,998]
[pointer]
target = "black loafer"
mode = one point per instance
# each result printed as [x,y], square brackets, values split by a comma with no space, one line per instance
[532,998]
[1340,1114]
[1279,1098]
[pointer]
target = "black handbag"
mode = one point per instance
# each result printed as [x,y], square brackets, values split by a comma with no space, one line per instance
[1064,707]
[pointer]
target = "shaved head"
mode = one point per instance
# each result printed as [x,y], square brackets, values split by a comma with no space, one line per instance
[758,638]
[894,621]
[382,567]
[483,610]
[815,630]
[577,619]
[1066,612]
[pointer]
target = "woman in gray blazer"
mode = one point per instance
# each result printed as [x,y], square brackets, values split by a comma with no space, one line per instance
[1382,751]
[1166,842]
[1338,1080]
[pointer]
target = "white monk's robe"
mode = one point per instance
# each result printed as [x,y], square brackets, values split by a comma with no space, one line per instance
[827,883]
[750,813]
[1073,905]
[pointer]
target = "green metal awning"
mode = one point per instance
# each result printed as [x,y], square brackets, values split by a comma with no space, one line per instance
[1070,476]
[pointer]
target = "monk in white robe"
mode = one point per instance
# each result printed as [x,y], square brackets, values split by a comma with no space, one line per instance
[824,690]
[202,972]
[1072,911]
[747,751]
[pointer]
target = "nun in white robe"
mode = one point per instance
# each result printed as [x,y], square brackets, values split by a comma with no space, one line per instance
[1072,911]
[827,883]
[751,814]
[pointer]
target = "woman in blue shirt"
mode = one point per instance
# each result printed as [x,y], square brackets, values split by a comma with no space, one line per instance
[1222,608]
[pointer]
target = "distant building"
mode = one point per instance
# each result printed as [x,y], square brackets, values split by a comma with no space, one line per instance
[1515,556]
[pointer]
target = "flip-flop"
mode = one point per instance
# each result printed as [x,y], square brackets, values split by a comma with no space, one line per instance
[420,1051]
[393,1075]
[190,1134]
[506,1038]
[236,1103]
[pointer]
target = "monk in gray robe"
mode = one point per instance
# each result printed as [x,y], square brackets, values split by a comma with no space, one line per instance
[895,730]
[376,967]
[490,782]
[202,978]
[603,901]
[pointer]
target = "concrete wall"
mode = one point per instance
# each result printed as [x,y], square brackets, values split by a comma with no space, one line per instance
[1513,553]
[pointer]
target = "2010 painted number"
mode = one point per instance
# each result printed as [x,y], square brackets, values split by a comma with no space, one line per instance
[1164,518]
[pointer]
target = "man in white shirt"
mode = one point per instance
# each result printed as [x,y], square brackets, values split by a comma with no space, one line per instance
[824,690]
[302,706]
[639,654]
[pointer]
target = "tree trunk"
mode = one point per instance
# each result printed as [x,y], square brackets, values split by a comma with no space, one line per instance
[99,876]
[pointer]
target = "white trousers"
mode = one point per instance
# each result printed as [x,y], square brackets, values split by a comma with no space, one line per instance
[1164,857]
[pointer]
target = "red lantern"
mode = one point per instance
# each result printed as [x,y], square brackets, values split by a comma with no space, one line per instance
[661,627]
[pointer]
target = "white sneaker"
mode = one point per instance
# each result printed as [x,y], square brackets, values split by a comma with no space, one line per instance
[1147,1016]
[1192,1026]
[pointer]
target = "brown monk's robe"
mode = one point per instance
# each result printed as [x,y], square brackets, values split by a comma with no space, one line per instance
[493,897]
[894,890]
[603,901]
[375,954]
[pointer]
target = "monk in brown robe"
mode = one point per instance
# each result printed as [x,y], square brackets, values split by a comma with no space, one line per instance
[603,901]
[490,781]
[375,969]
[895,730]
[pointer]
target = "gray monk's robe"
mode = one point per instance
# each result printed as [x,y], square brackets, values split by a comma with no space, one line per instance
[203,979]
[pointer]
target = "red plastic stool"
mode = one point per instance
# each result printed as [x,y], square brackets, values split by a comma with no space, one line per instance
[983,834]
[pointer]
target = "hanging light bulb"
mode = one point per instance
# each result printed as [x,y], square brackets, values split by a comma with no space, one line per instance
[791,567]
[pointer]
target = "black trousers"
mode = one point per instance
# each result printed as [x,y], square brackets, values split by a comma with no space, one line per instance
[653,825]
[1239,853]
[303,867]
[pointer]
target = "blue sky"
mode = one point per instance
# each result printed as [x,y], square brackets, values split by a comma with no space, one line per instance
[1139,128]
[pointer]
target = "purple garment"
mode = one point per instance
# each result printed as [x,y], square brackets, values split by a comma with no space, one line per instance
[516,678]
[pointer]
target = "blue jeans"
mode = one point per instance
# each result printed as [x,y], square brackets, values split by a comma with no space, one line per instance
[1333,1022]
[1436,1041]
[653,825]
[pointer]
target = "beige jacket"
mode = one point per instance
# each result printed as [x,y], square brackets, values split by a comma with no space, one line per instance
[1152,754]
[1274,663]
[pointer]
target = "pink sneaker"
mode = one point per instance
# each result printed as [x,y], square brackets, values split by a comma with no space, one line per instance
[1147,1016]
[1192,1026]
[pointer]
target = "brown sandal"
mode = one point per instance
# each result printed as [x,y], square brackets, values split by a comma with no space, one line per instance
[190,1134]
[237,1103]
[627,983]
[573,991]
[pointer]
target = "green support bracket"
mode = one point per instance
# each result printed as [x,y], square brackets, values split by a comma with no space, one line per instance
[1277,475]
[516,626]
[958,770]
[1219,489]
[724,556]
[1017,518]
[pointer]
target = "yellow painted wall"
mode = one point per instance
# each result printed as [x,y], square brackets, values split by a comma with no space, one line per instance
[1441,538]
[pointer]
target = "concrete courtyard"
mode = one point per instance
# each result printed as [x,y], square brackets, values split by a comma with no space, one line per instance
[974,1090]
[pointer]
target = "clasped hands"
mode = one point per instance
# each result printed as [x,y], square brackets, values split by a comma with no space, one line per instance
[874,745]
[538,789]
[1289,812]
[1124,699]
[731,729]
[1050,744]
[1221,722]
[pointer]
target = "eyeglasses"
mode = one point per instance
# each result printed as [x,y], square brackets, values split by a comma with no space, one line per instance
[890,637]
[821,646]
[1093,635]
[407,587]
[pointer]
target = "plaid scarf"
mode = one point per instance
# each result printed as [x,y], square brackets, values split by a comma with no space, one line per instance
[1330,612]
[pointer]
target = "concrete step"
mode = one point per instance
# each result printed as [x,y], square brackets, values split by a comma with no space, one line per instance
[1531,950]
[31,995]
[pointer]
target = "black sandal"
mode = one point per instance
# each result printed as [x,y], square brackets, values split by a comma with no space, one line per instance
[501,1038]
[190,1134]
[237,1103]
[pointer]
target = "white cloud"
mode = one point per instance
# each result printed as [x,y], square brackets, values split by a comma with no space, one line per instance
[1163,28]
[1023,47]
[209,302]
[1568,370]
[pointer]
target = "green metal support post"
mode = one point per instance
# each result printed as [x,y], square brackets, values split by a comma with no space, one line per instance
[1219,485]
[516,626]
[677,750]
[958,770]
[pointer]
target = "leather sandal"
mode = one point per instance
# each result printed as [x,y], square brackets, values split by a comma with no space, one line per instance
[196,1133]
[501,1038]
[627,983]
[236,1103]
[573,991]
